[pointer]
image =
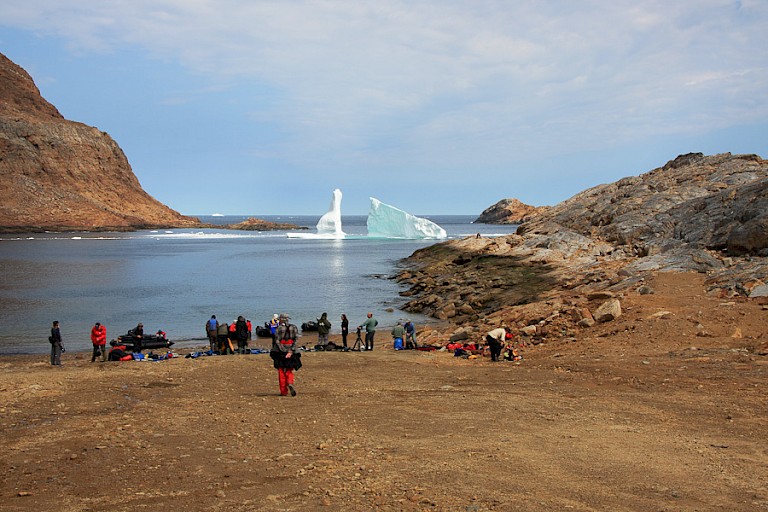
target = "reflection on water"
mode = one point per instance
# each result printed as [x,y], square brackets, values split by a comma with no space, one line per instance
[176,280]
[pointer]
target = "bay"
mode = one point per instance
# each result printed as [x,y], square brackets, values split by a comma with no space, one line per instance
[175,280]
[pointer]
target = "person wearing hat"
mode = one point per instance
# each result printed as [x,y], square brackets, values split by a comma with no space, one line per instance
[496,339]
[285,355]
[273,327]
[99,340]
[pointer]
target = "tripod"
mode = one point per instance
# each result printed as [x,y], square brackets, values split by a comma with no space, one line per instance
[358,342]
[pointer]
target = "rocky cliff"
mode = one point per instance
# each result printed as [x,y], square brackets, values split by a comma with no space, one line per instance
[705,214]
[57,174]
[509,211]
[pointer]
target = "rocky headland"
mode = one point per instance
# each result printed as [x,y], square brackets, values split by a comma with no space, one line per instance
[509,211]
[57,174]
[61,175]
[569,266]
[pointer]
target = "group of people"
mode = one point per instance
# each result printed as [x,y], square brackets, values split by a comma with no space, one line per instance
[223,337]
[324,328]
[284,352]
[404,335]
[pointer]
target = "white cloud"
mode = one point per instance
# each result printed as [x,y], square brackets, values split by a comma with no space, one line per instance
[467,80]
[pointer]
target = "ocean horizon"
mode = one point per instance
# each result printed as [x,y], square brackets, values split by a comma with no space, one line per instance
[175,279]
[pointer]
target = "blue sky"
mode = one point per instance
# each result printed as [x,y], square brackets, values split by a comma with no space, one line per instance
[264,107]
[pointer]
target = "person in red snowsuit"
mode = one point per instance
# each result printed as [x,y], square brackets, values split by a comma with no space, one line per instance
[285,356]
[99,340]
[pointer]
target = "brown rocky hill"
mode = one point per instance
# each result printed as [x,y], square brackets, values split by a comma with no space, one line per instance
[57,174]
[704,214]
[509,211]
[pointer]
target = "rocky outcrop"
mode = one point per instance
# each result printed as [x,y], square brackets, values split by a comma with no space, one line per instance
[705,214]
[254,224]
[509,211]
[57,174]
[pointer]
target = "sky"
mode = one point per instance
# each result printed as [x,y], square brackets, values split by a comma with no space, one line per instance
[432,106]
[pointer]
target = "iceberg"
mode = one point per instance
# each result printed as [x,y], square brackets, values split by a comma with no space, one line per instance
[330,223]
[386,221]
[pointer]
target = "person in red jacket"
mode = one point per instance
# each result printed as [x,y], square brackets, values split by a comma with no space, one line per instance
[99,340]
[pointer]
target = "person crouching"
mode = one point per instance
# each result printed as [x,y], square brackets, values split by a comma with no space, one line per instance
[284,354]
[495,340]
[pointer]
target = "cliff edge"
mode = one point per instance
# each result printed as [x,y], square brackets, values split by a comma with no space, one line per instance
[699,214]
[57,174]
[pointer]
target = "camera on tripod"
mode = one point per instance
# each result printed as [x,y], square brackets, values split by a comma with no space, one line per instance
[359,345]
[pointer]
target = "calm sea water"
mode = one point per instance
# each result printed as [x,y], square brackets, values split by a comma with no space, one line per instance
[175,280]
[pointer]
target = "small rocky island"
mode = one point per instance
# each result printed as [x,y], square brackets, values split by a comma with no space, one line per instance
[254,224]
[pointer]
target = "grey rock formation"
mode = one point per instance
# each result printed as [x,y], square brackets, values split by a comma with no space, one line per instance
[697,213]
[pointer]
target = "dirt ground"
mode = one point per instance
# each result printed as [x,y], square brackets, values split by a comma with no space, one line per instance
[663,409]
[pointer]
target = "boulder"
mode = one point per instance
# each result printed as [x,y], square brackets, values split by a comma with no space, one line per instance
[608,311]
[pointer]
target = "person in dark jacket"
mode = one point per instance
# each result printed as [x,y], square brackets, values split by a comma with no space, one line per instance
[241,334]
[344,330]
[410,335]
[323,328]
[57,347]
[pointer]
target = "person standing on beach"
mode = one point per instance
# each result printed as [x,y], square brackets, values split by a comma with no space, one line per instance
[241,333]
[344,330]
[99,340]
[323,328]
[285,357]
[410,335]
[211,326]
[370,331]
[57,347]
[273,324]
[222,337]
